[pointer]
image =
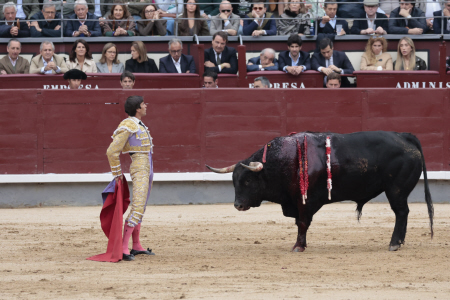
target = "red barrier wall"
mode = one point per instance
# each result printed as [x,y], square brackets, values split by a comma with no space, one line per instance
[61,131]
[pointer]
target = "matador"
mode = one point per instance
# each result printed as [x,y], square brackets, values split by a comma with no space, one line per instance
[133,137]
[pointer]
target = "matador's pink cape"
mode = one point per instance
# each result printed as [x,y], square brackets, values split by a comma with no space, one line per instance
[116,199]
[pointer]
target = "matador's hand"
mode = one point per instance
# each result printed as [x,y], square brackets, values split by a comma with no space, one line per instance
[119,178]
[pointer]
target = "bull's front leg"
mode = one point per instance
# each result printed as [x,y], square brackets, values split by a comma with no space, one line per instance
[303,225]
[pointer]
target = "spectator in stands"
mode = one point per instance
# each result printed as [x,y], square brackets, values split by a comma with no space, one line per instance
[376,57]
[210,79]
[387,6]
[47,62]
[135,8]
[51,26]
[333,81]
[127,80]
[24,11]
[294,61]
[13,63]
[406,57]
[99,8]
[139,62]
[196,24]
[80,57]
[429,7]
[74,78]
[328,61]
[373,23]
[408,24]
[11,26]
[225,21]
[109,62]
[442,16]
[221,58]
[261,83]
[295,19]
[176,61]
[210,9]
[259,22]
[315,8]
[119,22]
[328,23]
[265,62]
[169,9]
[84,25]
[156,25]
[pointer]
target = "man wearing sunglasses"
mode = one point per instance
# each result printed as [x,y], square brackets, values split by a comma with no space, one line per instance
[225,21]
[259,22]
[371,22]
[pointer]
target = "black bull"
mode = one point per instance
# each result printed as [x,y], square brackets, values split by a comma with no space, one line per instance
[363,165]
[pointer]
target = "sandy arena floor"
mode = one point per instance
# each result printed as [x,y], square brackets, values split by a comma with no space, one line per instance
[216,252]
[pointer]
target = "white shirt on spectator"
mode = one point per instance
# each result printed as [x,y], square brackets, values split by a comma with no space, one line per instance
[432,6]
[332,23]
[20,14]
[371,23]
[97,11]
[177,64]
[58,70]
[294,63]
[328,62]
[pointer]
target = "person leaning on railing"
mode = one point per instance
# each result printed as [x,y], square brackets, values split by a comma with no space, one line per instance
[24,11]
[139,62]
[49,24]
[11,26]
[225,21]
[376,57]
[80,57]
[442,16]
[108,62]
[412,19]
[154,25]
[83,23]
[406,57]
[196,24]
[371,22]
[119,22]
[47,62]
[295,19]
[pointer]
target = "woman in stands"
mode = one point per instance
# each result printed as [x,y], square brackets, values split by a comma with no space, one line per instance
[376,57]
[295,19]
[406,57]
[119,22]
[109,62]
[191,26]
[81,58]
[139,62]
[156,25]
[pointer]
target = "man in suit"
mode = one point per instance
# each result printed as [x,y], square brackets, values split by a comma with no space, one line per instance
[294,61]
[225,20]
[13,63]
[259,22]
[442,16]
[328,61]
[328,22]
[221,58]
[51,26]
[334,81]
[210,80]
[11,26]
[25,11]
[373,23]
[407,24]
[265,62]
[176,61]
[82,27]
[48,62]
[127,80]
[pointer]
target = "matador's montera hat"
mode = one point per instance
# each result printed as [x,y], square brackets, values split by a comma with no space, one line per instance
[75,74]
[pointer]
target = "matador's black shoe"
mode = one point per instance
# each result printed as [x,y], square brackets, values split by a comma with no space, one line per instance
[148,252]
[128,257]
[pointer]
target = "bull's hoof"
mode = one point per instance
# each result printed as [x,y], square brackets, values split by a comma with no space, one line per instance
[394,247]
[298,249]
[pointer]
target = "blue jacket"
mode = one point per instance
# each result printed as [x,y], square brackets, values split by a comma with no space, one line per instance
[437,23]
[93,26]
[340,60]
[256,61]
[23,32]
[284,60]
[48,28]
[270,25]
[166,64]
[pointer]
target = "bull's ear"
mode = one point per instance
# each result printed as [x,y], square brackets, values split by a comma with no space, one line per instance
[223,170]
[254,166]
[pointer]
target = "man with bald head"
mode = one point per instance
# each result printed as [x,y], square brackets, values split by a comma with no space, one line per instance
[225,21]
[265,62]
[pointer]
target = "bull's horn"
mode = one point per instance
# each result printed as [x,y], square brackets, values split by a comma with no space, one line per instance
[223,170]
[254,166]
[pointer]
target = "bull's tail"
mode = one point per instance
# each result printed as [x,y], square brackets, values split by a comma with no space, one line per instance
[414,140]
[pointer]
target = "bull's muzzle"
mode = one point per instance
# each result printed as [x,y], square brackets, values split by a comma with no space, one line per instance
[241,207]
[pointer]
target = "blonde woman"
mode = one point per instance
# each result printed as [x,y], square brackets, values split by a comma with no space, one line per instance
[139,62]
[406,57]
[295,19]
[376,57]
[109,62]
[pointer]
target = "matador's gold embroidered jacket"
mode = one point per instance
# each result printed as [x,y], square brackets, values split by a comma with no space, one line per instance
[129,137]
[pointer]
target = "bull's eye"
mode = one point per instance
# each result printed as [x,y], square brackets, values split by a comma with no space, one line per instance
[247,182]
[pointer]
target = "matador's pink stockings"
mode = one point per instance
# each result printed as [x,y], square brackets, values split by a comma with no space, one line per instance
[127,231]
[136,243]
